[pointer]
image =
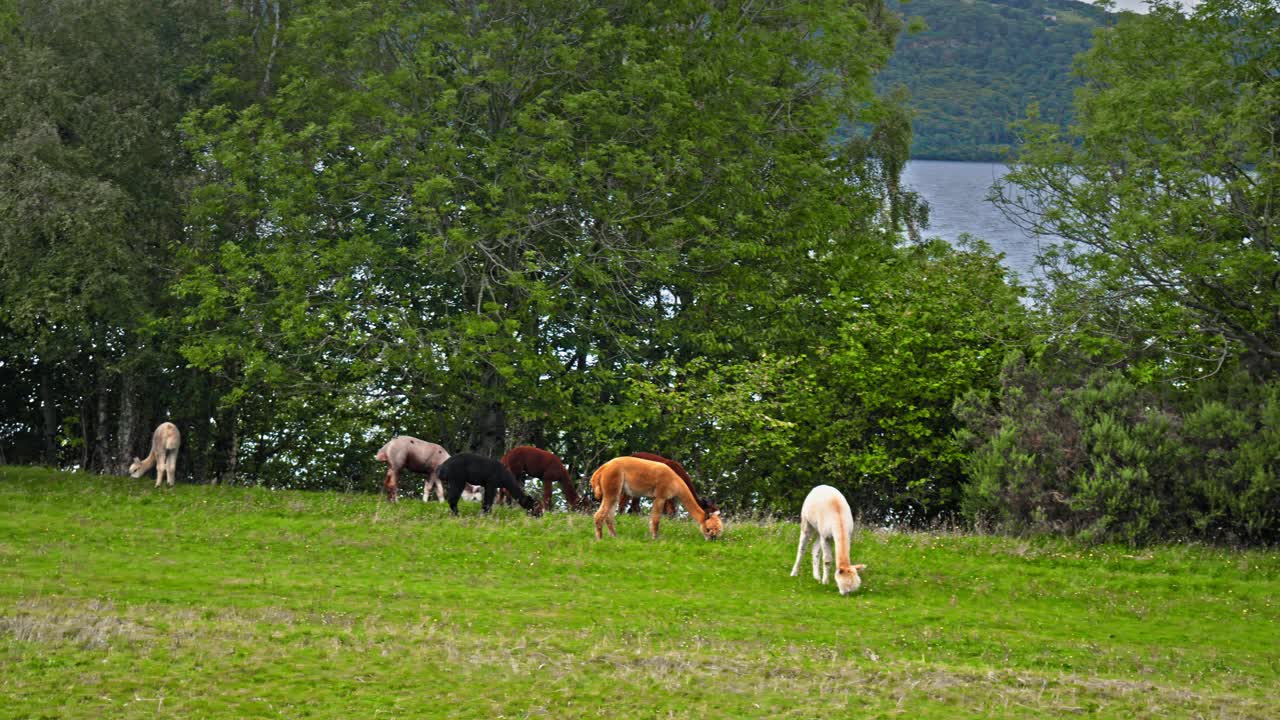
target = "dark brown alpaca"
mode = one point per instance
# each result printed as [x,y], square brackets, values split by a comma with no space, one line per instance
[670,508]
[526,461]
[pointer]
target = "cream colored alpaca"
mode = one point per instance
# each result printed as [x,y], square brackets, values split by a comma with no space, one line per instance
[826,517]
[165,442]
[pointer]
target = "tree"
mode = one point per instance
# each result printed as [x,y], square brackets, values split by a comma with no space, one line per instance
[1149,410]
[461,219]
[868,406]
[91,180]
[1166,192]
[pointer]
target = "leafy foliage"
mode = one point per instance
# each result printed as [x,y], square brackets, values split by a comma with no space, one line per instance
[868,408]
[91,181]
[1113,461]
[446,223]
[1166,193]
[1149,411]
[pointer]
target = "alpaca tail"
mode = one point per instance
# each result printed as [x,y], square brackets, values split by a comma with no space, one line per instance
[595,483]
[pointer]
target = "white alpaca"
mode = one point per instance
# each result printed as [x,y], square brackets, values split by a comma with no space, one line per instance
[164,454]
[826,517]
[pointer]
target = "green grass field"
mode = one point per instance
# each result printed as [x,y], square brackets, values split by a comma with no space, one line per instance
[121,601]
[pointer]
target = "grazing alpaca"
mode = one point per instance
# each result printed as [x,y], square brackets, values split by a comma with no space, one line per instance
[670,507]
[468,468]
[409,453]
[826,517]
[527,461]
[645,478]
[165,442]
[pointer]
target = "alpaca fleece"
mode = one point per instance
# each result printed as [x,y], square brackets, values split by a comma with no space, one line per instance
[468,468]
[409,453]
[526,461]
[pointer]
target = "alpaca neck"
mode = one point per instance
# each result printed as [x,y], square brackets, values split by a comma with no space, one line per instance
[841,541]
[148,462]
[571,497]
[690,503]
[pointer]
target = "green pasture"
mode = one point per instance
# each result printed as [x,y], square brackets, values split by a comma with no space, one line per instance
[118,600]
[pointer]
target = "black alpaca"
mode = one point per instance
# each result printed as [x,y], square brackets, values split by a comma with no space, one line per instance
[468,468]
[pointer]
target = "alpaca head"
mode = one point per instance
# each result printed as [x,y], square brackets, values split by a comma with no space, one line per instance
[530,506]
[135,470]
[712,526]
[848,580]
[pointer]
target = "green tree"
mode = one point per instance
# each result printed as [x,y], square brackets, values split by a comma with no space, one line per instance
[91,183]
[473,221]
[868,406]
[1148,411]
[1166,192]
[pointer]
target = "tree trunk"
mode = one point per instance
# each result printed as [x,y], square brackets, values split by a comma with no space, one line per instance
[102,459]
[489,428]
[127,423]
[49,414]
[86,439]
[201,438]
[229,444]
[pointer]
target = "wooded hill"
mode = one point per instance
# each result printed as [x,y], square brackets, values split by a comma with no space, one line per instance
[981,63]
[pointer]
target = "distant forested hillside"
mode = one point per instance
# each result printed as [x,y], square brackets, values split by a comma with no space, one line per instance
[980,64]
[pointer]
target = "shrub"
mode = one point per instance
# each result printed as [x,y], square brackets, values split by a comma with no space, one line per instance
[1109,459]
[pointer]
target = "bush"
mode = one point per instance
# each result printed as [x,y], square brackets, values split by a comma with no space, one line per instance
[1109,459]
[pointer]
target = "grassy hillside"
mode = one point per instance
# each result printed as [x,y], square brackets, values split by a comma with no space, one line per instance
[120,601]
[981,63]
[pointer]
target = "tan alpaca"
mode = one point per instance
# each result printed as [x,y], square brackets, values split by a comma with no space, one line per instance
[826,517]
[164,454]
[646,478]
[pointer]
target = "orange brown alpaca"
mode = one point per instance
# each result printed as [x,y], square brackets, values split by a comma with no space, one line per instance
[670,507]
[526,461]
[645,478]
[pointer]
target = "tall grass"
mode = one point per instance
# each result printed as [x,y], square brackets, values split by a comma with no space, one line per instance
[121,601]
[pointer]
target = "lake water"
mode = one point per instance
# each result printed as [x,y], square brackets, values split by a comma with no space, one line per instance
[956,193]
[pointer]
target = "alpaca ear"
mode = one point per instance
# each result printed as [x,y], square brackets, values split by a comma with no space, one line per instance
[859,567]
[715,513]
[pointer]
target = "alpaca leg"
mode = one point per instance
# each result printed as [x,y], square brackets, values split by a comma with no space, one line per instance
[433,482]
[391,483]
[817,557]
[827,554]
[600,516]
[171,466]
[805,538]
[490,493]
[546,495]
[608,505]
[453,492]
[654,516]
